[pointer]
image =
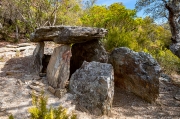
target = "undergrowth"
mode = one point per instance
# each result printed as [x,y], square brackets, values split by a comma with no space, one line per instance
[40,110]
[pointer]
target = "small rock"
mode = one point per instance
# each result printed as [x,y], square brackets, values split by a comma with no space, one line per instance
[23,44]
[177,96]
[21,49]
[11,46]
[34,93]
[165,77]
[42,74]
[60,92]
[36,83]
[28,78]
[14,72]
[7,50]
[51,89]
[36,88]
[37,78]
[19,82]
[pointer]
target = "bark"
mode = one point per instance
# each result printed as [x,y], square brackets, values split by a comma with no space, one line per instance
[17,33]
[174,21]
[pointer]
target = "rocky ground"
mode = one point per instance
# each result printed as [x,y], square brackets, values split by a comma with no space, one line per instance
[17,84]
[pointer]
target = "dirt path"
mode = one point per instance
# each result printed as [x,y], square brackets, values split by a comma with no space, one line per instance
[15,95]
[15,79]
[127,105]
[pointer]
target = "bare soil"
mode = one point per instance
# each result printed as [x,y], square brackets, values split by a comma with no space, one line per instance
[15,95]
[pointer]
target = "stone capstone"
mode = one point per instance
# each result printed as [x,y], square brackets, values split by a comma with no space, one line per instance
[58,69]
[88,51]
[67,34]
[93,84]
[36,64]
[137,72]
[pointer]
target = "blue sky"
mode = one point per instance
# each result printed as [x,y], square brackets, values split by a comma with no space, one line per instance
[130,4]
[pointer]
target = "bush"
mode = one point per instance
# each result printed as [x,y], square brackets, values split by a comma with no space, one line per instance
[40,110]
[119,38]
[170,63]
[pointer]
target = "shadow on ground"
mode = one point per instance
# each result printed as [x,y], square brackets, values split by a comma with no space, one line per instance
[125,104]
[131,106]
[16,67]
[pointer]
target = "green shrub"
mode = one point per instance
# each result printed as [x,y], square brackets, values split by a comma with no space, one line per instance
[40,110]
[11,117]
[169,62]
[119,38]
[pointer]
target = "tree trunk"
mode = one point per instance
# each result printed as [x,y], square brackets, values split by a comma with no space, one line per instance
[17,33]
[174,22]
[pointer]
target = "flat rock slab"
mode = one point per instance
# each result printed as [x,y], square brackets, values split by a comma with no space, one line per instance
[67,34]
[2,50]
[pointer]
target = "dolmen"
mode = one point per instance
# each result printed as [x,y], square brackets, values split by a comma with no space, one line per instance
[78,44]
[91,72]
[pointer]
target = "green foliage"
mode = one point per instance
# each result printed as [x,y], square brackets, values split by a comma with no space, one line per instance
[139,34]
[24,16]
[169,62]
[40,111]
[117,38]
[69,12]
[11,117]
[119,21]
[107,17]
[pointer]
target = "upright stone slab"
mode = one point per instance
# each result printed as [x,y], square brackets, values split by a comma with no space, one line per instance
[58,69]
[137,72]
[36,64]
[93,84]
[88,51]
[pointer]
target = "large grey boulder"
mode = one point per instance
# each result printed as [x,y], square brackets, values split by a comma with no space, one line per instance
[137,72]
[93,85]
[67,34]
[58,69]
[88,51]
[36,64]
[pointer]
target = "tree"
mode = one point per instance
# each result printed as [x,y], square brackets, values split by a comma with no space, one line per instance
[119,21]
[24,16]
[169,9]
